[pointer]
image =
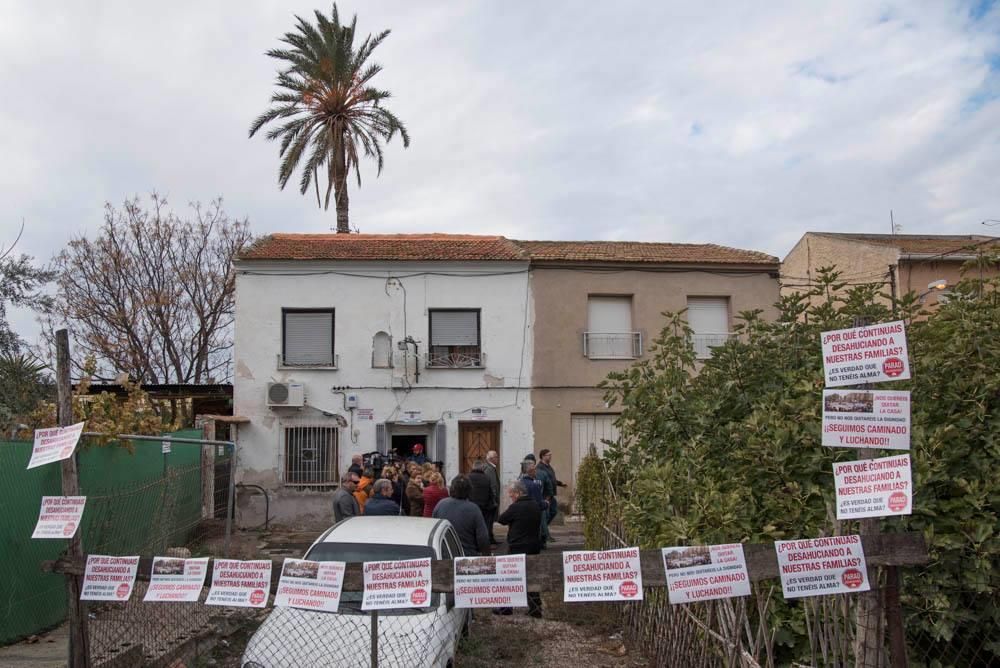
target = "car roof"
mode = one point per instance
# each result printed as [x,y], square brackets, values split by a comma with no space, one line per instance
[383,530]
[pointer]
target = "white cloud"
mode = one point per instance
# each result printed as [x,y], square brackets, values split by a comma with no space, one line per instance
[727,123]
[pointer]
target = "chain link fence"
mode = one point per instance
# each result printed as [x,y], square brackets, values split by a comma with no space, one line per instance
[142,499]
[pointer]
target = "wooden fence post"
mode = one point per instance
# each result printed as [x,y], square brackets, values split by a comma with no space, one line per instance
[208,470]
[79,653]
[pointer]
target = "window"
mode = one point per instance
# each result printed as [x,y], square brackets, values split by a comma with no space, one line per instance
[307,337]
[708,318]
[381,351]
[609,332]
[311,455]
[455,339]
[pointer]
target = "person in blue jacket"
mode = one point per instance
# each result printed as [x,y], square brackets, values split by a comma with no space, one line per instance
[381,502]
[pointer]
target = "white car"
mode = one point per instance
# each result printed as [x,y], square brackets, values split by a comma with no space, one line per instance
[409,637]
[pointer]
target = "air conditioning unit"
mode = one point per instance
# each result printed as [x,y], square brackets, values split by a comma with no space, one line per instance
[286,395]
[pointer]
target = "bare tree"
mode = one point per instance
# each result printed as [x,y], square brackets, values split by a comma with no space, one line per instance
[152,295]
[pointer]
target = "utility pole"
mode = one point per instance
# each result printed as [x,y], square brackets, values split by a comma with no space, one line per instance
[79,652]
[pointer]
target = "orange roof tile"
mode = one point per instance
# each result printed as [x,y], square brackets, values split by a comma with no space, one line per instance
[920,244]
[470,247]
[641,252]
[421,247]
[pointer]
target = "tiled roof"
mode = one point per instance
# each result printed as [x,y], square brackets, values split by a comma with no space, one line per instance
[423,247]
[469,247]
[641,252]
[922,244]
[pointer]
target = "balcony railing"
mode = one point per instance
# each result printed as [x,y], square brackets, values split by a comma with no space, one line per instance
[705,341]
[455,360]
[612,345]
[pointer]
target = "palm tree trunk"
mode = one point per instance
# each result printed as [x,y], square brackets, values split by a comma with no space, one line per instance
[340,187]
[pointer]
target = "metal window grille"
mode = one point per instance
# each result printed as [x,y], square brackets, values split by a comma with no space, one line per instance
[311,455]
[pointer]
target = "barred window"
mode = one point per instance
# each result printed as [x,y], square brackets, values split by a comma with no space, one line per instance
[311,455]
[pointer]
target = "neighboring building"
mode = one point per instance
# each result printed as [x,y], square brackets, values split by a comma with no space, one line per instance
[358,343]
[599,306]
[901,262]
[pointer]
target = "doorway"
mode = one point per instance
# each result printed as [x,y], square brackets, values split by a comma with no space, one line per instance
[475,439]
[402,444]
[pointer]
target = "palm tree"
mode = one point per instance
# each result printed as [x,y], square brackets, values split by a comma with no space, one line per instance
[327,109]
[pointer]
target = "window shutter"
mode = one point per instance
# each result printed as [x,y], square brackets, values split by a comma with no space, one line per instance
[308,338]
[454,328]
[381,442]
[609,314]
[440,442]
[708,315]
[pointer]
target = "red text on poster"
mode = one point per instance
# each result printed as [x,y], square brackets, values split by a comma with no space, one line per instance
[177,580]
[611,575]
[491,582]
[865,354]
[59,516]
[109,578]
[705,572]
[818,566]
[310,585]
[396,584]
[874,487]
[54,444]
[242,584]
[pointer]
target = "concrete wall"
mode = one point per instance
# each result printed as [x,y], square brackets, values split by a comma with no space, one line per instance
[564,380]
[366,302]
[858,262]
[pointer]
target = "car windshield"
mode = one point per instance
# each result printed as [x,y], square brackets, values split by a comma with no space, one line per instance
[350,601]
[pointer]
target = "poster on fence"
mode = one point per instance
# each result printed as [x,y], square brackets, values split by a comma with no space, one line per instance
[176,580]
[818,566]
[310,585]
[491,582]
[52,445]
[241,584]
[874,487]
[109,578]
[612,575]
[59,516]
[705,572]
[866,419]
[396,584]
[865,354]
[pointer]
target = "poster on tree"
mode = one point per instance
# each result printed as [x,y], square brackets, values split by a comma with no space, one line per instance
[866,419]
[874,487]
[865,354]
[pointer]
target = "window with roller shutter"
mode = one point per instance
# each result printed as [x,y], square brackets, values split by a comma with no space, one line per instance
[708,318]
[454,339]
[307,337]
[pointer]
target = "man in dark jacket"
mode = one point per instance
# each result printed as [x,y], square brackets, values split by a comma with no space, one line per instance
[493,473]
[381,502]
[481,494]
[344,503]
[523,518]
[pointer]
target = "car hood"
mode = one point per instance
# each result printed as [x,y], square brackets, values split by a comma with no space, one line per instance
[293,637]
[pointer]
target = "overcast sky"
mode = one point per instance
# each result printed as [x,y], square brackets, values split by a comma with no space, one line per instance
[743,124]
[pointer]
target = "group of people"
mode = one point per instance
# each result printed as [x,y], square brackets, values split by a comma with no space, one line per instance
[470,503]
[407,487]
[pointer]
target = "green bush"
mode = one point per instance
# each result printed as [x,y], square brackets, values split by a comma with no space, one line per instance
[733,453]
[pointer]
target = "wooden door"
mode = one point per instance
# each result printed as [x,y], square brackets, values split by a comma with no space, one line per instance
[475,439]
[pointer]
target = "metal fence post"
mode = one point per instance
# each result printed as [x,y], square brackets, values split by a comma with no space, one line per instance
[231,499]
[374,638]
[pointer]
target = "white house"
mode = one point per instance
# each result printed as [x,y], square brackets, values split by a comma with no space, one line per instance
[354,343]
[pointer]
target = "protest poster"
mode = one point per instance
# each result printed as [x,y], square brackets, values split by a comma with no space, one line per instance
[865,354]
[54,444]
[874,487]
[396,584]
[176,580]
[241,584]
[611,575]
[866,419]
[109,578]
[59,516]
[818,566]
[705,572]
[310,585]
[491,582]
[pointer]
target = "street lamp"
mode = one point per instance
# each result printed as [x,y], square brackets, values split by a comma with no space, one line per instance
[936,285]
